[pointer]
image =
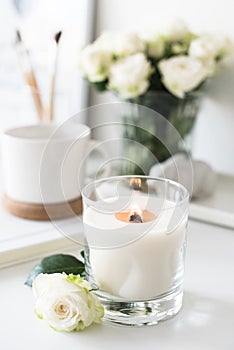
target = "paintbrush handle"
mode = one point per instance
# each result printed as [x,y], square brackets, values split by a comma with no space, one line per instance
[29,75]
[52,98]
[53,78]
[31,81]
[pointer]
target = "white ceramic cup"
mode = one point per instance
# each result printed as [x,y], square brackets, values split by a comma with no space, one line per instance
[45,164]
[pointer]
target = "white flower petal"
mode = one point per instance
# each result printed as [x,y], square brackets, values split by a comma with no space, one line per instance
[120,43]
[210,47]
[48,284]
[137,70]
[182,74]
[155,43]
[95,63]
[66,302]
[176,30]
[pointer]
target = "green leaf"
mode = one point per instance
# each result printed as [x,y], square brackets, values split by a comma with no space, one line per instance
[100,86]
[57,263]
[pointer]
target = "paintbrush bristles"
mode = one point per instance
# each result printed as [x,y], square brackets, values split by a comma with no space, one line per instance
[18,37]
[57,36]
[31,78]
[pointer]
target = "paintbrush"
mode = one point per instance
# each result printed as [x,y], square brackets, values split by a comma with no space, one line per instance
[29,74]
[53,79]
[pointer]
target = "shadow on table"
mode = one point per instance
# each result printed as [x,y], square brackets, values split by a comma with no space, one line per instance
[203,323]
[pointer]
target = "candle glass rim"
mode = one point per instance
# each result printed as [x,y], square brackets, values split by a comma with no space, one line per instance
[172,182]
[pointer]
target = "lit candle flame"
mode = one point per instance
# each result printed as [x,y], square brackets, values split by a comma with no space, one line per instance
[135,184]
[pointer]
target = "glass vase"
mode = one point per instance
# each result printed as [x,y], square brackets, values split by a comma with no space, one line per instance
[156,126]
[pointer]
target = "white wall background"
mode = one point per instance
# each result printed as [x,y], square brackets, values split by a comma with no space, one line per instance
[38,21]
[214,133]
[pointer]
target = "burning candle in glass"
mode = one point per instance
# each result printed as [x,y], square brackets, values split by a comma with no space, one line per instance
[135,234]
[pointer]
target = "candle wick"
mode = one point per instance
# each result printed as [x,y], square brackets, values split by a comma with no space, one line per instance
[135,218]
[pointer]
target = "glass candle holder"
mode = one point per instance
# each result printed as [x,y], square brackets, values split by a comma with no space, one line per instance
[135,232]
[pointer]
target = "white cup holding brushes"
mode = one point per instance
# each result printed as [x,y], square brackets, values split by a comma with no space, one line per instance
[43,164]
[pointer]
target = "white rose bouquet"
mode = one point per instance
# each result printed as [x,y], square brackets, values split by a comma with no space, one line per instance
[165,71]
[173,59]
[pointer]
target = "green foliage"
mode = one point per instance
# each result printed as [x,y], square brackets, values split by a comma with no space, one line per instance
[100,86]
[57,263]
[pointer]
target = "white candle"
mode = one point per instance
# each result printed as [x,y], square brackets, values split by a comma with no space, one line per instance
[127,261]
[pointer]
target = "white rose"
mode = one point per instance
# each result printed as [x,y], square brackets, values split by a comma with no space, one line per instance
[120,43]
[211,48]
[155,43]
[182,74]
[95,63]
[66,302]
[129,76]
[176,30]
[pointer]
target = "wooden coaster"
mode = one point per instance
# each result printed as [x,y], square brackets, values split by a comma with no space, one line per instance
[40,212]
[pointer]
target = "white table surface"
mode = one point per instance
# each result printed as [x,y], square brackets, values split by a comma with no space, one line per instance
[206,320]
